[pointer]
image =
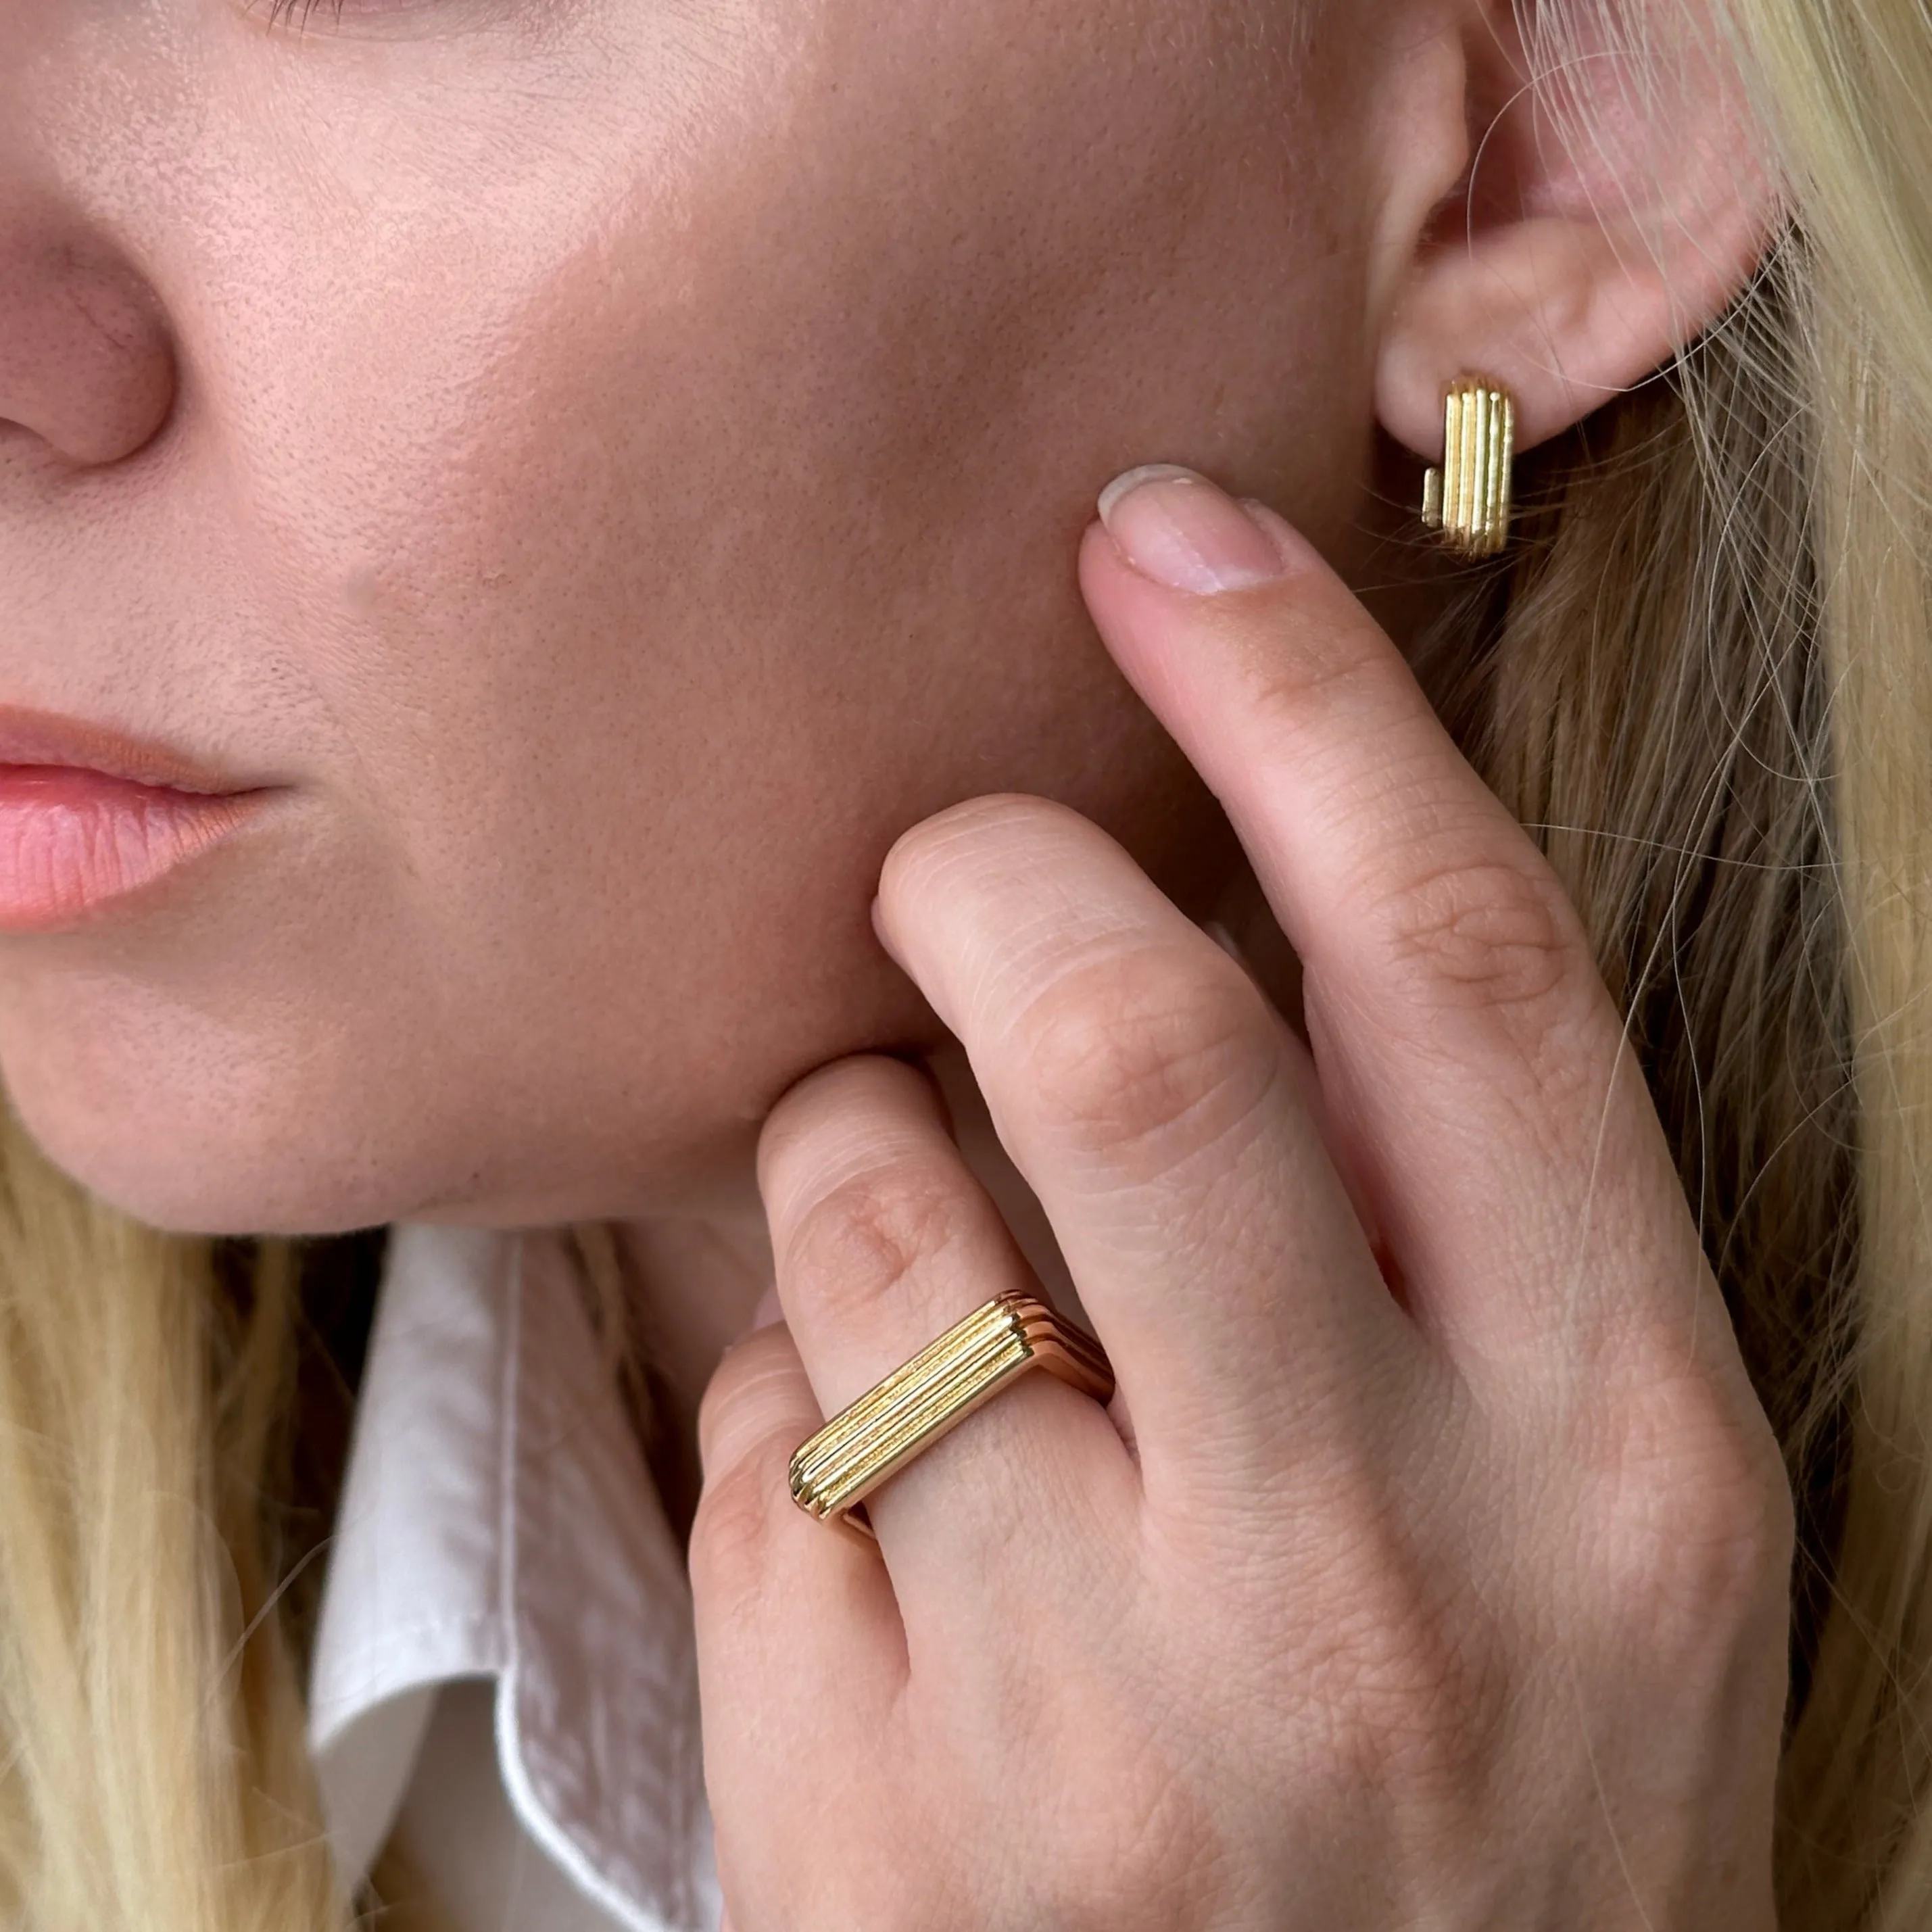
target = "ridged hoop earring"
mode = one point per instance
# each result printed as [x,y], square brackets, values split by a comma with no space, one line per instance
[1468,498]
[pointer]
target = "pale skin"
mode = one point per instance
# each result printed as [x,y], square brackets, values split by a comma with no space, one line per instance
[1362,1607]
[618,474]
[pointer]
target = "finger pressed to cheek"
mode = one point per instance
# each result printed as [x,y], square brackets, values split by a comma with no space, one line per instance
[1149,1095]
[1467,1039]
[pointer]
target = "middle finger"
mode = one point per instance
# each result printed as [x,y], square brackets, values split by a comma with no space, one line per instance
[1155,1102]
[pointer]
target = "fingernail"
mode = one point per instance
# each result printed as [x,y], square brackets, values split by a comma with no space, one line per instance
[768,1312]
[1176,527]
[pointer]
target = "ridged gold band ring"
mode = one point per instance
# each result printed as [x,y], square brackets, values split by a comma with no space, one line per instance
[870,1440]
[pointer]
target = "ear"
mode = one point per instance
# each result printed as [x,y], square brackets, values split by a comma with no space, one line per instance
[1559,225]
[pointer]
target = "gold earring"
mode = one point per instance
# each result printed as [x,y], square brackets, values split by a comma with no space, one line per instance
[1468,500]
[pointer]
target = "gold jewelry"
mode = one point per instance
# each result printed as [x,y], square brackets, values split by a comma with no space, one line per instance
[874,1437]
[1468,500]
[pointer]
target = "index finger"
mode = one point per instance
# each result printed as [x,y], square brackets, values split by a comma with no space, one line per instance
[1460,1026]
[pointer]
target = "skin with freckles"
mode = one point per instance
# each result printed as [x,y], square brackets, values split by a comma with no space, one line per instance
[609,469]
[615,468]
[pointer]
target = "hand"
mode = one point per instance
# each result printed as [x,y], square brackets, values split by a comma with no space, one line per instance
[1445,1591]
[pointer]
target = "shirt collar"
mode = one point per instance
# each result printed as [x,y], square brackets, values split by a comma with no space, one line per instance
[498,1520]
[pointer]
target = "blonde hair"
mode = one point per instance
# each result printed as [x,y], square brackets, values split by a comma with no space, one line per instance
[153,1772]
[1704,679]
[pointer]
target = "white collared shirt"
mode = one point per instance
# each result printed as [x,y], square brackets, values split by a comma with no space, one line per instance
[504,1673]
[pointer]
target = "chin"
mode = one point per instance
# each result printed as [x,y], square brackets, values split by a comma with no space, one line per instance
[204,1163]
[198,1186]
[259,1156]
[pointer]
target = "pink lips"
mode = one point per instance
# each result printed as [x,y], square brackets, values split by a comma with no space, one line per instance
[88,815]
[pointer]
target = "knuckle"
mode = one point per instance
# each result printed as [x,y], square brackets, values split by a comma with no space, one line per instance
[1496,936]
[1148,1056]
[731,1534]
[855,1244]
[1701,1527]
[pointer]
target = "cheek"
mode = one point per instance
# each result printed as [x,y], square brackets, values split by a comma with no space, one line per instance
[630,559]
[772,543]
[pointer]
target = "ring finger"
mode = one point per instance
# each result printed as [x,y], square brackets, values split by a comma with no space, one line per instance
[883,1238]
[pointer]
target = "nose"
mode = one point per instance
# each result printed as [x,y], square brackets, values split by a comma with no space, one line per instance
[87,366]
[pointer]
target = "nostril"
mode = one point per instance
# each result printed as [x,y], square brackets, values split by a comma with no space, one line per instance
[86,363]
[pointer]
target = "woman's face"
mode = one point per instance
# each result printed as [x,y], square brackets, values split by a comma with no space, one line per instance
[612,465]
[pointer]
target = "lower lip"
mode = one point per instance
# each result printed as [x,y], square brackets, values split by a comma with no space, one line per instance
[71,840]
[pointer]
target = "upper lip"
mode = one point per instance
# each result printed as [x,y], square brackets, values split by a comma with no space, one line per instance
[29,737]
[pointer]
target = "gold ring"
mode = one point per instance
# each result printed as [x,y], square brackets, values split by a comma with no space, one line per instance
[834,1470]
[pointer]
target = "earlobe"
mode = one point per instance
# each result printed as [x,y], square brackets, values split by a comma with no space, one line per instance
[1591,235]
